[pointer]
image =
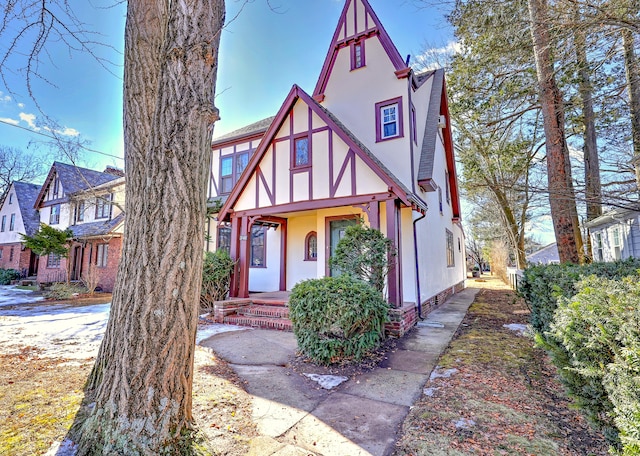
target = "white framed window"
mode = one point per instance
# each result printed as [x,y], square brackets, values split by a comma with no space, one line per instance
[451,260]
[12,222]
[598,249]
[616,244]
[54,216]
[389,120]
[103,206]
[102,255]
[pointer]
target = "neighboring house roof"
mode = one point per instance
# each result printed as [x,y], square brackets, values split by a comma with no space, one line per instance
[250,130]
[612,216]
[26,195]
[98,228]
[546,255]
[295,94]
[74,179]
[339,41]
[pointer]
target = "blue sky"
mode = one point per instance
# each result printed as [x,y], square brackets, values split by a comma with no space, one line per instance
[267,46]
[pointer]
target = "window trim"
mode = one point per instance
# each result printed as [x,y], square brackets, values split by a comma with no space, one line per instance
[352,51]
[235,175]
[219,237]
[294,143]
[4,224]
[10,198]
[102,202]
[399,119]
[102,258]
[80,211]
[12,222]
[307,239]
[264,247]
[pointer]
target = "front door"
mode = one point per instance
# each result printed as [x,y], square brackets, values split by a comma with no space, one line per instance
[76,266]
[337,230]
[33,265]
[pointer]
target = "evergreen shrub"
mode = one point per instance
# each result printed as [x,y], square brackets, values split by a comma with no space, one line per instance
[337,319]
[7,275]
[216,278]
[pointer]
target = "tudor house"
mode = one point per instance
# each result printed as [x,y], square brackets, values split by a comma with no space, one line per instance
[372,142]
[17,215]
[91,204]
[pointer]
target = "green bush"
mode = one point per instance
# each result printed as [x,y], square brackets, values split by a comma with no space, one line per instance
[216,277]
[7,275]
[542,285]
[366,254]
[61,291]
[337,319]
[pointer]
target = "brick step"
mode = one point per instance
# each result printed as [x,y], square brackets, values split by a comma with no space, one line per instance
[282,324]
[269,302]
[264,311]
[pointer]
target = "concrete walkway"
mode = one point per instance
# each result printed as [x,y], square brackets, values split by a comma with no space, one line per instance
[361,416]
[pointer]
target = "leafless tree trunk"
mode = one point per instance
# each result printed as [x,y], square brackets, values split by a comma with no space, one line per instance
[142,380]
[633,81]
[561,193]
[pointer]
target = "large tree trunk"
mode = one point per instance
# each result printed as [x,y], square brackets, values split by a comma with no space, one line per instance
[633,81]
[561,193]
[142,380]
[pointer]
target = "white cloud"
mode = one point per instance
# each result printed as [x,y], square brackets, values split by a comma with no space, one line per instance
[29,119]
[21,105]
[435,57]
[9,120]
[66,131]
[4,98]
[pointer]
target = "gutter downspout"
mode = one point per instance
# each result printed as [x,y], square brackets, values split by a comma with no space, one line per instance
[415,250]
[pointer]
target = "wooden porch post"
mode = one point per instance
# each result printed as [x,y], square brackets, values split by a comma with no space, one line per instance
[234,253]
[394,277]
[374,214]
[283,256]
[245,243]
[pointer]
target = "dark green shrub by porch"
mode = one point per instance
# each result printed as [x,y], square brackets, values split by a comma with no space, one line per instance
[337,319]
[216,277]
[7,275]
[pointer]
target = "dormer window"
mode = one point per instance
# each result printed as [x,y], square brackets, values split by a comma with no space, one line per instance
[103,206]
[301,155]
[389,120]
[357,55]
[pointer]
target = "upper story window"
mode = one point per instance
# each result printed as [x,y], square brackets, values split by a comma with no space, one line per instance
[389,120]
[4,223]
[79,212]
[103,206]
[12,223]
[10,198]
[311,247]
[599,250]
[357,55]
[440,199]
[54,216]
[231,167]
[301,153]
[56,187]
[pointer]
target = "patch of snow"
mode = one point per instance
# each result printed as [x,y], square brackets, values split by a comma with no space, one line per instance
[437,373]
[12,296]
[429,324]
[517,327]
[464,423]
[328,382]
[206,331]
[64,448]
[430,392]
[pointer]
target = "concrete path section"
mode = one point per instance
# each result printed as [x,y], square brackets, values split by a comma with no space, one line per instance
[360,417]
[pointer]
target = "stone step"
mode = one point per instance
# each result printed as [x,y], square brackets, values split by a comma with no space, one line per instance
[264,311]
[281,324]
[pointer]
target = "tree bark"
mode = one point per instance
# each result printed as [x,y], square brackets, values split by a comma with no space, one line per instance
[633,82]
[561,192]
[141,383]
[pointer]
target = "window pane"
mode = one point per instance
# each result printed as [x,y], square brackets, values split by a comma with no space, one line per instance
[257,246]
[358,55]
[226,184]
[242,161]
[302,151]
[224,239]
[313,247]
[226,166]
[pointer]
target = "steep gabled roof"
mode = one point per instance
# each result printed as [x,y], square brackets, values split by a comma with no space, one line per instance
[296,93]
[342,38]
[438,106]
[250,130]
[96,229]
[73,179]
[26,195]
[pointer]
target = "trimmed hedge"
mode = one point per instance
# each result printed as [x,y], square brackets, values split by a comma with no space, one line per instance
[7,275]
[600,328]
[543,285]
[337,319]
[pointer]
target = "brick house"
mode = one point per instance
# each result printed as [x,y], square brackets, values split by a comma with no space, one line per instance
[18,216]
[91,204]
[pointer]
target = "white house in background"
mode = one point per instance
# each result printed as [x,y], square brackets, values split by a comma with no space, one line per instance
[372,142]
[615,235]
[17,216]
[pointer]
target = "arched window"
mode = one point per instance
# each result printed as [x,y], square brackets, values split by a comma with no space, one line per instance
[311,247]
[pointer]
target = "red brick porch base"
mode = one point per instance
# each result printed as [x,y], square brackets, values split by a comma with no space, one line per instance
[222,309]
[402,319]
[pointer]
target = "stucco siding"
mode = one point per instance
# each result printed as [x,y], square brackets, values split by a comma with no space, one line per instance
[268,278]
[298,268]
